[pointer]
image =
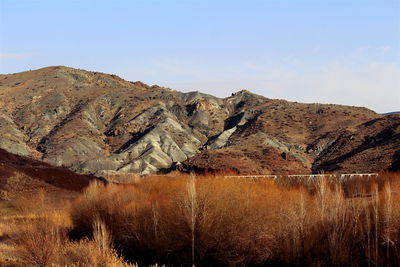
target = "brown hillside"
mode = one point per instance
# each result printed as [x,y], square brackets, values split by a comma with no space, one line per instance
[98,123]
[21,176]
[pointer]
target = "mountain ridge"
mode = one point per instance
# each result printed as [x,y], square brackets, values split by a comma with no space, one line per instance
[93,122]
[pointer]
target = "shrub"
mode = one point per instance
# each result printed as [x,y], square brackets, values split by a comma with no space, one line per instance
[39,244]
[240,222]
[214,221]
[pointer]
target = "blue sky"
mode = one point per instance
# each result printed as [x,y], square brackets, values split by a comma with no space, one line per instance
[331,51]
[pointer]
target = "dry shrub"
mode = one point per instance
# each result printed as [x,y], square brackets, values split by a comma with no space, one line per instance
[342,230]
[184,221]
[101,236]
[87,253]
[39,243]
[43,242]
[9,263]
[123,178]
[211,221]
[36,203]
[239,222]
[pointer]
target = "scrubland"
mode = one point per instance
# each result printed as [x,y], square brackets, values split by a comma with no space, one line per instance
[209,221]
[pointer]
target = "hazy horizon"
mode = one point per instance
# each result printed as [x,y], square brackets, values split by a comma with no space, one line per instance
[336,52]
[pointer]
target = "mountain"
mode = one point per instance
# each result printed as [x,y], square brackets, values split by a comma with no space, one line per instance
[392,113]
[98,123]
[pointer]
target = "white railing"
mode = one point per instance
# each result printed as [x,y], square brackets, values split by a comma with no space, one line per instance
[340,177]
[282,177]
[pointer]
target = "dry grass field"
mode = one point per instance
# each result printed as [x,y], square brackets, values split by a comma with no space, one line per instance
[209,221]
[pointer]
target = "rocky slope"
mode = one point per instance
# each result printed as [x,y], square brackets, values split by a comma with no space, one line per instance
[98,123]
[22,176]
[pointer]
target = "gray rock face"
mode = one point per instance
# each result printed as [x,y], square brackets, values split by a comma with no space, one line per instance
[287,149]
[199,120]
[320,145]
[72,152]
[222,139]
[12,139]
[158,148]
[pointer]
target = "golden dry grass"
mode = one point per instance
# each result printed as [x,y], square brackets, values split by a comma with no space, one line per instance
[211,221]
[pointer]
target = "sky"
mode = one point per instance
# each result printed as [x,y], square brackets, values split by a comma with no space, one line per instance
[330,51]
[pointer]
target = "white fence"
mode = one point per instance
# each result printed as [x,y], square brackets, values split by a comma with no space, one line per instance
[308,177]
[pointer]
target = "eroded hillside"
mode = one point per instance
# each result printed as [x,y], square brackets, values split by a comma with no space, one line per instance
[98,123]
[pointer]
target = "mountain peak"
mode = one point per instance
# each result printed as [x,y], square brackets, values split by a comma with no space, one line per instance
[242,92]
